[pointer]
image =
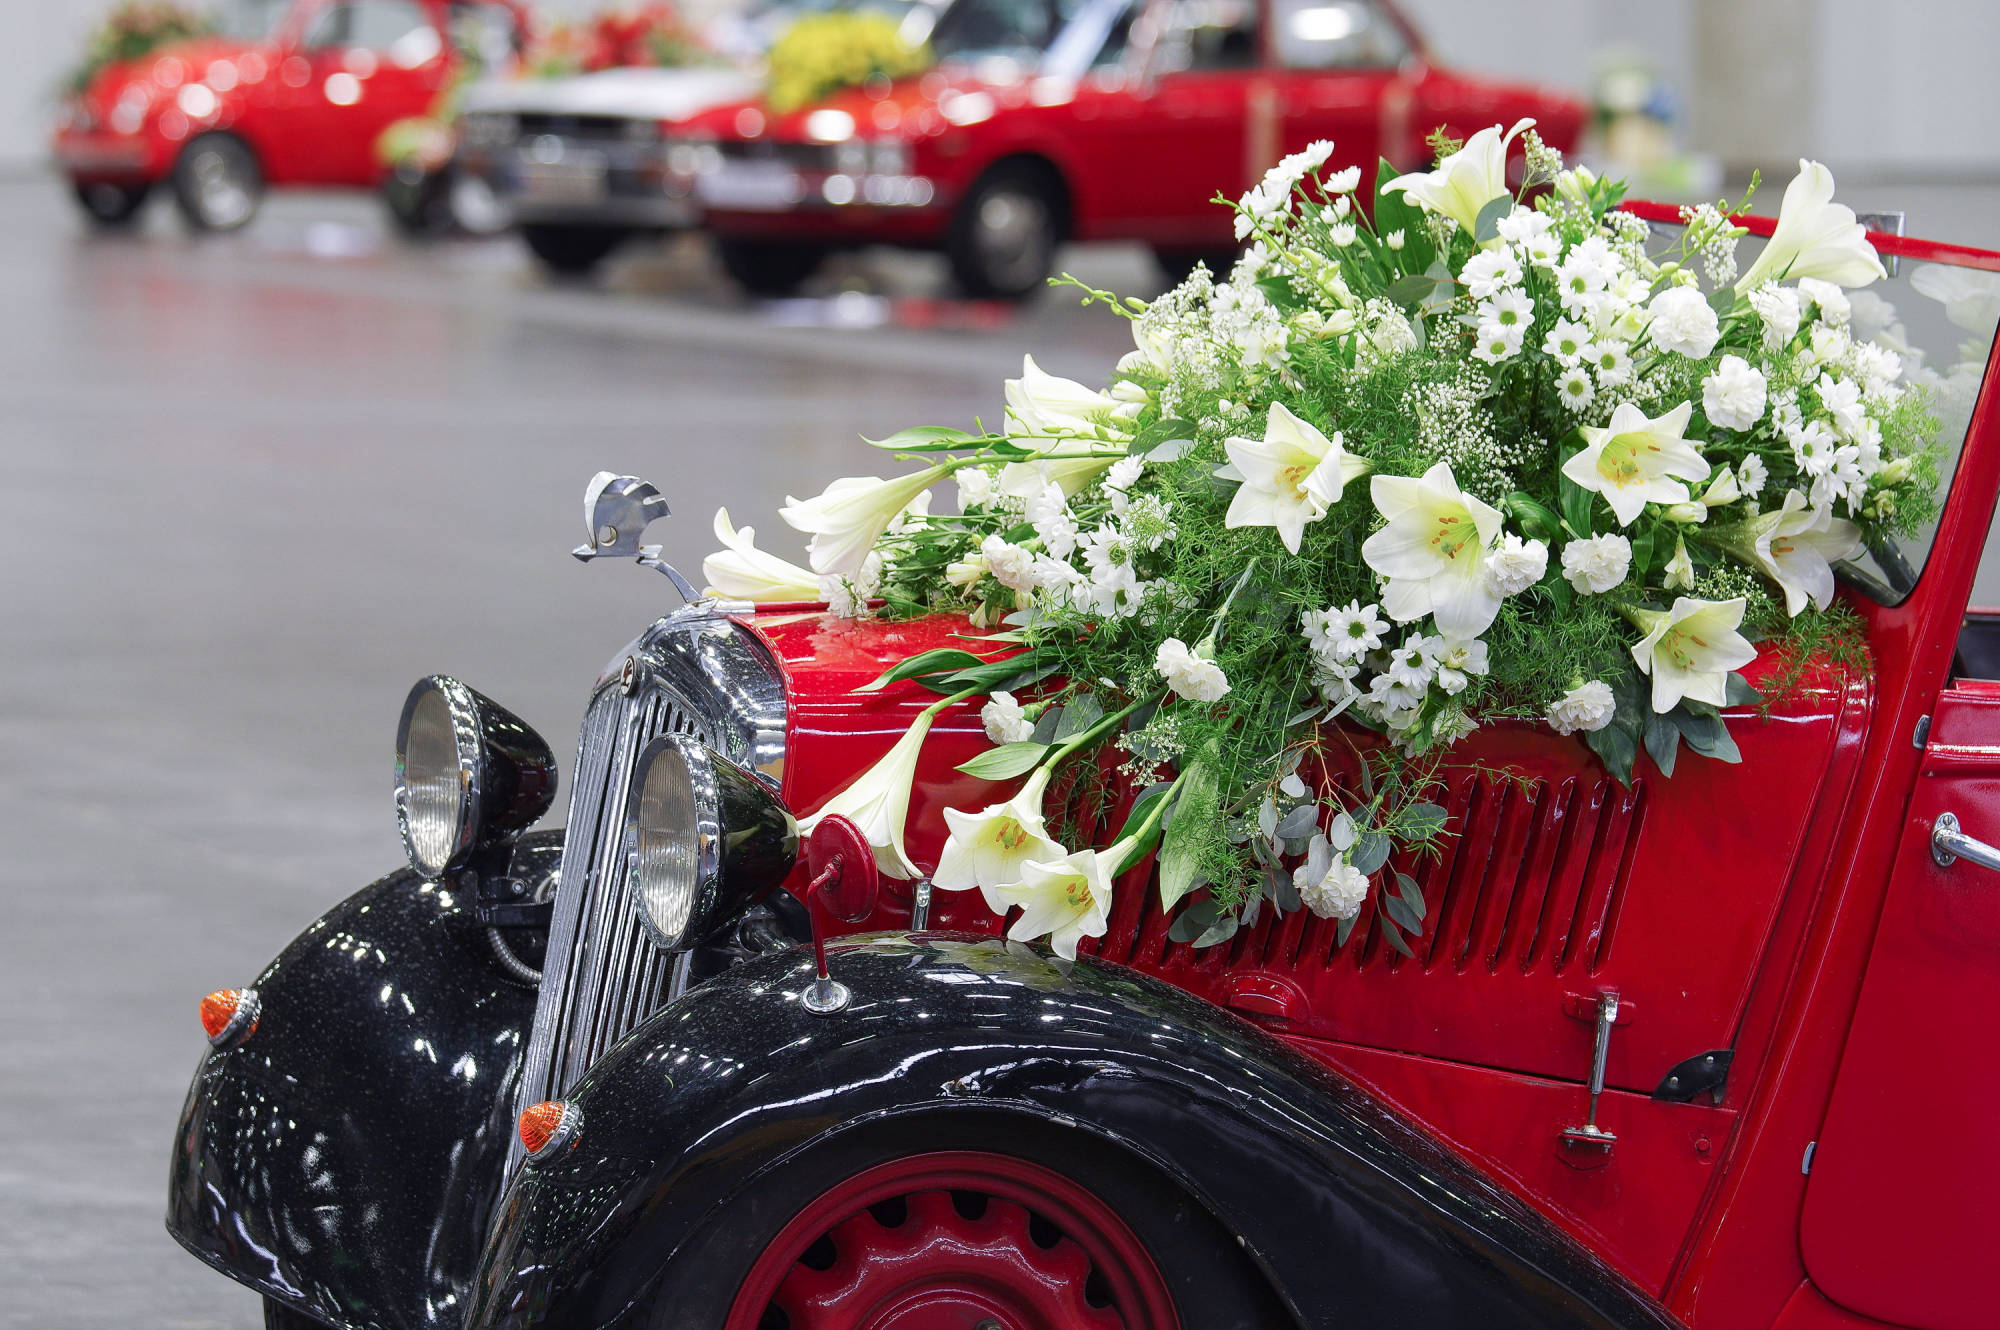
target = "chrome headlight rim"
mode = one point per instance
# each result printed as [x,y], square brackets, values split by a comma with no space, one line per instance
[503,772]
[745,841]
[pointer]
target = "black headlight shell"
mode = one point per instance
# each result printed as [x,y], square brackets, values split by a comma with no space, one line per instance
[468,773]
[704,841]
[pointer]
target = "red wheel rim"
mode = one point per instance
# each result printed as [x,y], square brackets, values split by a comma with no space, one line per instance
[958,1240]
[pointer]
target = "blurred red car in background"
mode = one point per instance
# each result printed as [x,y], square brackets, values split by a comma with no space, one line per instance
[1139,112]
[292,93]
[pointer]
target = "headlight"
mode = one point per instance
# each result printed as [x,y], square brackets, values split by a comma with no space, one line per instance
[704,839]
[468,773]
[487,128]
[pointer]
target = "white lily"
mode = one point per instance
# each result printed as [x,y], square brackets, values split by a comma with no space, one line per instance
[1798,545]
[987,849]
[1633,460]
[1467,180]
[1433,552]
[1814,237]
[1290,477]
[741,571]
[1043,406]
[1068,898]
[1025,480]
[1690,649]
[878,802]
[847,520]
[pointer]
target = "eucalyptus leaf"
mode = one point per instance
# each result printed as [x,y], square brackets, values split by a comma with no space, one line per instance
[1399,910]
[1228,472]
[1287,898]
[1371,852]
[1267,817]
[1251,908]
[1425,820]
[1412,894]
[1194,920]
[1299,822]
[1342,834]
[1082,712]
[1738,692]
[1342,929]
[1046,725]
[1412,291]
[1394,937]
[1486,226]
[1173,450]
[1220,931]
[1663,741]
[1292,785]
[1006,762]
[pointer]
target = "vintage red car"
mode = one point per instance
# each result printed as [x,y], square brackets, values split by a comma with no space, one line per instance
[1662,1058]
[1139,111]
[281,94]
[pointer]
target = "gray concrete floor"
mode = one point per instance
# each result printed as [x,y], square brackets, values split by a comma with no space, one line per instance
[250,489]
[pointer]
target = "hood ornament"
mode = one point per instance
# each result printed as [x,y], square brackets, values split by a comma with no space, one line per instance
[617,510]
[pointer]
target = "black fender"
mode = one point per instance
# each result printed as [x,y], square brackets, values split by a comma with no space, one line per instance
[1354,1215]
[345,1158]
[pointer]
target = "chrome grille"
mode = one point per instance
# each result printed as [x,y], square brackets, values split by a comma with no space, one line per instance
[692,674]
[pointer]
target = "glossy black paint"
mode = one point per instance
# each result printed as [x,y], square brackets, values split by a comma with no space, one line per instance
[345,1158]
[1357,1217]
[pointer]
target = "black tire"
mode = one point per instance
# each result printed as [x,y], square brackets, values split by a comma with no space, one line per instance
[1003,241]
[769,267]
[218,185]
[1176,264]
[277,1316]
[419,201]
[572,251]
[107,204]
[1213,1283]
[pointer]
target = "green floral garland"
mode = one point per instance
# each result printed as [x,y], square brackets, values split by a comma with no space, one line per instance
[1479,458]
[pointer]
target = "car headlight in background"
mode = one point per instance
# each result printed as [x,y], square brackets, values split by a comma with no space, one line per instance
[468,773]
[692,157]
[486,129]
[704,841]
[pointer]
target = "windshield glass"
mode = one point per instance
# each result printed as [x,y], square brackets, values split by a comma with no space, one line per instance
[250,20]
[1915,343]
[1009,29]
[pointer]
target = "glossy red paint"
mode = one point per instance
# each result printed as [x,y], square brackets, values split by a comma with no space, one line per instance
[1748,923]
[311,109]
[936,1266]
[1138,148]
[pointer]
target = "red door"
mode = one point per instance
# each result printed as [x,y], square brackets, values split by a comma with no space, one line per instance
[1899,1219]
[360,66]
[1338,63]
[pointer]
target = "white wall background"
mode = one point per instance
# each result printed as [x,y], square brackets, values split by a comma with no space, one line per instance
[1903,90]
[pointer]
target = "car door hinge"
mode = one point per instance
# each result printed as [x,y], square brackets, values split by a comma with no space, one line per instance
[1922,736]
[1704,1073]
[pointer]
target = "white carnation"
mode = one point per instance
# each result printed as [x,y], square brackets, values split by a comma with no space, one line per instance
[1336,891]
[975,488]
[1778,307]
[1596,565]
[1012,566]
[1005,720]
[1832,301]
[1190,676]
[1585,707]
[1733,396]
[1515,565]
[1683,321]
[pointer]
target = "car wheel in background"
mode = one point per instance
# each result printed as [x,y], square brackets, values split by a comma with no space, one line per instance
[419,201]
[217,183]
[1176,264]
[769,267]
[572,251]
[1003,241]
[108,204]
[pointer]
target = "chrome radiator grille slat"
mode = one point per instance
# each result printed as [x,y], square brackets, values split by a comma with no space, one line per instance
[704,677]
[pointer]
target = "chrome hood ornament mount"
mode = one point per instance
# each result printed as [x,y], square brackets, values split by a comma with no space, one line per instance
[616,511]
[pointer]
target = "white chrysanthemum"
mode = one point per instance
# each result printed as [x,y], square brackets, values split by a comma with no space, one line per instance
[1491,271]
[1495,342]
[1752,475]
[1778,308]
[1012,566]
[1841,399]
[1515,565]
[1586,707]
[1567,341]
[1574,388]
[1457,662]
[1733,396]
[1834,306]
[1330,887]
[1610,362]
[1580,280]
[1508,307]
[1346,632]
[1597,565]
[1411,666]
[1006,721]
[1683,321]
[1193,677]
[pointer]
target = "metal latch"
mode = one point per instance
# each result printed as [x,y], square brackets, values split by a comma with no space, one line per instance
[1949,845]
[1590,1135]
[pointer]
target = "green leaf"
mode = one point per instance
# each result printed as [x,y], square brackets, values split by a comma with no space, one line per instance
[1576,506]
[1410,292]
[1082,712]
[1180,847]
[1006,762]
[1393,212]
[1136,816]
[1342,928]
[1371,852]
[1532,517]
[1642,555]
[1486,226]
[925,439]
[1169,430]
[1394,937]
[1194,920]
[1280,292]
[1663,741]
[1046,725]
[1738,692]
[1618,749]
[1218,932]
[1412,894]
[1723,301]
[936,661]
[1707,733]
[1003,675]
[1425,820]
[1299,822]
[1399,910]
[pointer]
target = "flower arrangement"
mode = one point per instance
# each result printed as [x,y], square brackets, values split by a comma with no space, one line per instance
[1493,453]
[651,36]
[823,53]
[133,30]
